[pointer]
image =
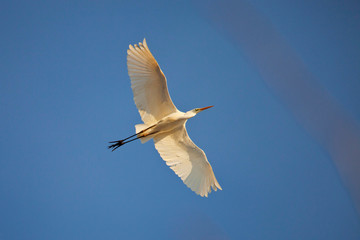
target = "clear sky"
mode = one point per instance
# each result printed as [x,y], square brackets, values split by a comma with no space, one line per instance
[65,92]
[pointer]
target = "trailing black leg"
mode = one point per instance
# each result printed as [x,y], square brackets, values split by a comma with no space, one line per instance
[116,144]
[119,143]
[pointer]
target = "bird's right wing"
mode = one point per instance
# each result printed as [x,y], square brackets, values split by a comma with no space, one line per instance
[149,85]
[187,160]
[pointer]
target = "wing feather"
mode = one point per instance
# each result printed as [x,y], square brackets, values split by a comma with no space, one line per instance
[187,160]
[149,85]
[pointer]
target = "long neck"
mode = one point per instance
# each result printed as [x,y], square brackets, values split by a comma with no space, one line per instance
[190,114]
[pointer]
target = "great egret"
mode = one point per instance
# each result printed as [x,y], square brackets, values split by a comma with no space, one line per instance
[164,123]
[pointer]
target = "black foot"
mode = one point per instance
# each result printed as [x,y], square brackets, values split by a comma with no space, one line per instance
[116,144]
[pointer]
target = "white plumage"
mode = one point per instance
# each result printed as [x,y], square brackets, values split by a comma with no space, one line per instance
[187,160]
[164,123]
[148,84]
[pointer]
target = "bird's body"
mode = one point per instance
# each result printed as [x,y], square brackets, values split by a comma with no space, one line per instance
[165,124]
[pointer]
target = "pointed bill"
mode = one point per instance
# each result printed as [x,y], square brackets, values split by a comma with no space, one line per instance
[204,108]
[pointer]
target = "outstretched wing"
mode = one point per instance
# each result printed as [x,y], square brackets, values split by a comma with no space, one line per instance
[187,160]
[148,83]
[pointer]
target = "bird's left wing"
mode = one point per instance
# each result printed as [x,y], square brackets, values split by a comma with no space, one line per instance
[149,85]
[187,160]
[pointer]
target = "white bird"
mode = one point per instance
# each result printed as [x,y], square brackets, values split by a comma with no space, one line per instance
[164,123]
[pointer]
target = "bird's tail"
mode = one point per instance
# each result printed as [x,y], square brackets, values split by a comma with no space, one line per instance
[141,127]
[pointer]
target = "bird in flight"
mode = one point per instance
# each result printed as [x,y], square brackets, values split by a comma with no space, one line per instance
[164,123]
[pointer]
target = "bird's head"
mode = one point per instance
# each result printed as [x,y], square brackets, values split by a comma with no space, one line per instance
[197,110]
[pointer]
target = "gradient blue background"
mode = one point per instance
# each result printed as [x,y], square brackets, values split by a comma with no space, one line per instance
[65,92]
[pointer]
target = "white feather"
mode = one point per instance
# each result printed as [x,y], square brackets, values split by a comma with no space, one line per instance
[165,124]
[187,160]
[149,85]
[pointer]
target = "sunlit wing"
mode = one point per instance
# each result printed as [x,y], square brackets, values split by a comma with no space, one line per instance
[149,85]
[187,160]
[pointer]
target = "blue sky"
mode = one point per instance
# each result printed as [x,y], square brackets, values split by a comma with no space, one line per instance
[65,92]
